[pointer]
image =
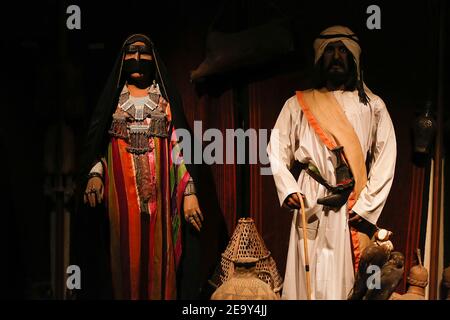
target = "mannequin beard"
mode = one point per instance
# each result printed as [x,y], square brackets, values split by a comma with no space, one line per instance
[337,79]
[146,70]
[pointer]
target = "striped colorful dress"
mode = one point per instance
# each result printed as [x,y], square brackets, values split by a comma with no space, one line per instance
[143,194]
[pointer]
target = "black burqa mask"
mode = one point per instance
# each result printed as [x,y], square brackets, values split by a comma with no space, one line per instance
[97,138]
[139,70]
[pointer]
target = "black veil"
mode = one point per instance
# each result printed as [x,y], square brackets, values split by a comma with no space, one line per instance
[97,137]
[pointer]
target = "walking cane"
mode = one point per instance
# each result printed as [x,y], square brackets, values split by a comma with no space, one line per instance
[305,247]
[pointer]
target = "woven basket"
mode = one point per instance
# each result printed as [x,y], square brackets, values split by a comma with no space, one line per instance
[247,245]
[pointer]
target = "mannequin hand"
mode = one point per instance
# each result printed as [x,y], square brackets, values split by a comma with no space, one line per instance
[354,219]
[192,212]
[94,191]
[292,201]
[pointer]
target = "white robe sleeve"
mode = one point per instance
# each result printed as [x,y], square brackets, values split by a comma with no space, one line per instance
[281,150]
[97,168]
[384,153]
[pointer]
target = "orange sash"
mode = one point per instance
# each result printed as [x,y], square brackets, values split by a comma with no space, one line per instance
[326,116]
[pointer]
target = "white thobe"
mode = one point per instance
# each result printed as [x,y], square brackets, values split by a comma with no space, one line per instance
[329,241]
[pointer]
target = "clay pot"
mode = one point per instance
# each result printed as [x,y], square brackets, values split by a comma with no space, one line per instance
[424,131]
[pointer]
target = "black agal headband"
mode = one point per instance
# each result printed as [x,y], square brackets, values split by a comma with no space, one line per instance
[332,36]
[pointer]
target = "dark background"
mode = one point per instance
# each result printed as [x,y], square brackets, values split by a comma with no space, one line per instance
[52,74]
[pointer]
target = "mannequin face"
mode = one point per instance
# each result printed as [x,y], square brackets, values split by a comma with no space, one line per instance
[335,58]
[141,54]
[336,65]
[137,50]
[139,67]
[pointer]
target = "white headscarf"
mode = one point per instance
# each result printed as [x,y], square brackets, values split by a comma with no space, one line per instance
[337,33]
[351,42]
